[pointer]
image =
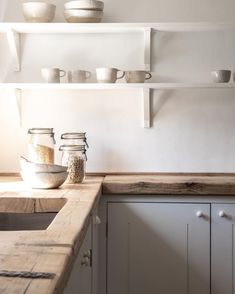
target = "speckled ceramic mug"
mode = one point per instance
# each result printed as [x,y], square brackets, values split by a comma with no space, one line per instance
[137,76]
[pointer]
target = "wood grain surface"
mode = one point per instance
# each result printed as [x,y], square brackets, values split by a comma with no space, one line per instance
[52,250]
[171,184]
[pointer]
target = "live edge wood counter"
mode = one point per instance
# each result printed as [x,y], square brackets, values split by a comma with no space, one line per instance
[51,250]
[171,184]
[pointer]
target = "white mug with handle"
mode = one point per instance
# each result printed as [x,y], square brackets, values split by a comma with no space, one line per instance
[108,75]
[52,75]
[78,76]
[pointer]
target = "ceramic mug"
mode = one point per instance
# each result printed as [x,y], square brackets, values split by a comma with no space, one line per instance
[78,76]
[221,76]
[52,75]
[137,76]
[108,75]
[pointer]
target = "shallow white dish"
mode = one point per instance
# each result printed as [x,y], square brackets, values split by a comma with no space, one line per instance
[38,11]
[43,180]
[77,15]
[27,165]
[85,4]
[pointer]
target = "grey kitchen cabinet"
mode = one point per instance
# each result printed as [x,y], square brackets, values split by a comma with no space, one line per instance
[80,280]
[158,248]
[222,249]
[84,275]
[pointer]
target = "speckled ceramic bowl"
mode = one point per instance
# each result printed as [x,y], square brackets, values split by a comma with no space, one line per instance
[85,4]
[38,11]
[43,180]
[80,15]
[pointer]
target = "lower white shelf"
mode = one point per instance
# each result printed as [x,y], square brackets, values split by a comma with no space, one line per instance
[99,86]
[16,89]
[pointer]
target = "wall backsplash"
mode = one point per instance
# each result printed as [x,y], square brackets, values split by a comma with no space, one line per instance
[193,130]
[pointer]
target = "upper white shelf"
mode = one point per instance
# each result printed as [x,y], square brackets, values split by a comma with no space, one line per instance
[53,28]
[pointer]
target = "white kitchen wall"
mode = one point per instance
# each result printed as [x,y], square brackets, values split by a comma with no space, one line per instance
[193,130]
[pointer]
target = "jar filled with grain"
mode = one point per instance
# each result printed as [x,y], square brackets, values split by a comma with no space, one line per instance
[74,139]
[41,145]
[74,157]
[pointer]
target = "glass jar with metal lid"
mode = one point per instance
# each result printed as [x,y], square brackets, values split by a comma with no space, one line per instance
[41,145]
[75,139]
[74,157]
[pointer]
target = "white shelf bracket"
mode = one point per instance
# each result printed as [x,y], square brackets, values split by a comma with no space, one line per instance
[147,48]
[146,108]
[14,45]
[16,94]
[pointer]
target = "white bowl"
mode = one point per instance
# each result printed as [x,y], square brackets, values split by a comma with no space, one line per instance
[38,11]
[27,165]
[77,15]
[43,180]
[85,4]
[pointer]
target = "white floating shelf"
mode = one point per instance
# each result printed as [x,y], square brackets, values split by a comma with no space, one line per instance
[120,86]
[16,89]
[53,28]
[14,31]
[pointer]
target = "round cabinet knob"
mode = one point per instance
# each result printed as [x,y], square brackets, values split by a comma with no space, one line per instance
[222,213]
[199,214]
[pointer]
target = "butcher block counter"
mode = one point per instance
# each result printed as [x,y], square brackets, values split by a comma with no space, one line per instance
[52,250]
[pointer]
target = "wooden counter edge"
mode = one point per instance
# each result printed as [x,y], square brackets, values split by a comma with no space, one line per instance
[174,184]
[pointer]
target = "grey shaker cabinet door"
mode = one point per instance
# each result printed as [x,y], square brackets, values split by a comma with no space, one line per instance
[158,248]
[222,249]
[80,280]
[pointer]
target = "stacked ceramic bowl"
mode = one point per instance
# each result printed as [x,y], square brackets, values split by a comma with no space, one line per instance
[84,11]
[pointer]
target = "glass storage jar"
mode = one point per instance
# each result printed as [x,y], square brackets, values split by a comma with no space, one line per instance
[41,145]
[74,139]
[74,157]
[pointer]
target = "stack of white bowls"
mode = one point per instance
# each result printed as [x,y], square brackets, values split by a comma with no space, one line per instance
[83,11]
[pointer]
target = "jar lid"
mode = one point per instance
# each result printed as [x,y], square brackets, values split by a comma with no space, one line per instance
[73,136]
[41,131]
[73,148]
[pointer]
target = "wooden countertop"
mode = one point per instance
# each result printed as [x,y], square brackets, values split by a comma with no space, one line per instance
[51,250]
[171,184]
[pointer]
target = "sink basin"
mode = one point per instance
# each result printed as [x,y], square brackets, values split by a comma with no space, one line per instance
[25,221]
[24,214]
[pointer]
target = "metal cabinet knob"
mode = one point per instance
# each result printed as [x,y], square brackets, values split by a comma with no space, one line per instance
[85,261]
[222,213]
[87,254]
[199,213]
[97,220]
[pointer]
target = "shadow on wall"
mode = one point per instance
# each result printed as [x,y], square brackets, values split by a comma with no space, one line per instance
[157,103]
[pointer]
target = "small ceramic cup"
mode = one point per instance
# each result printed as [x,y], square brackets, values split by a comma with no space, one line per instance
[78,76]
[108,75]
[221,76]
[137,76]
[52,75]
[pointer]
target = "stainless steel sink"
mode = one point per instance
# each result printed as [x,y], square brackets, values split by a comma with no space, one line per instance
[25,221]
